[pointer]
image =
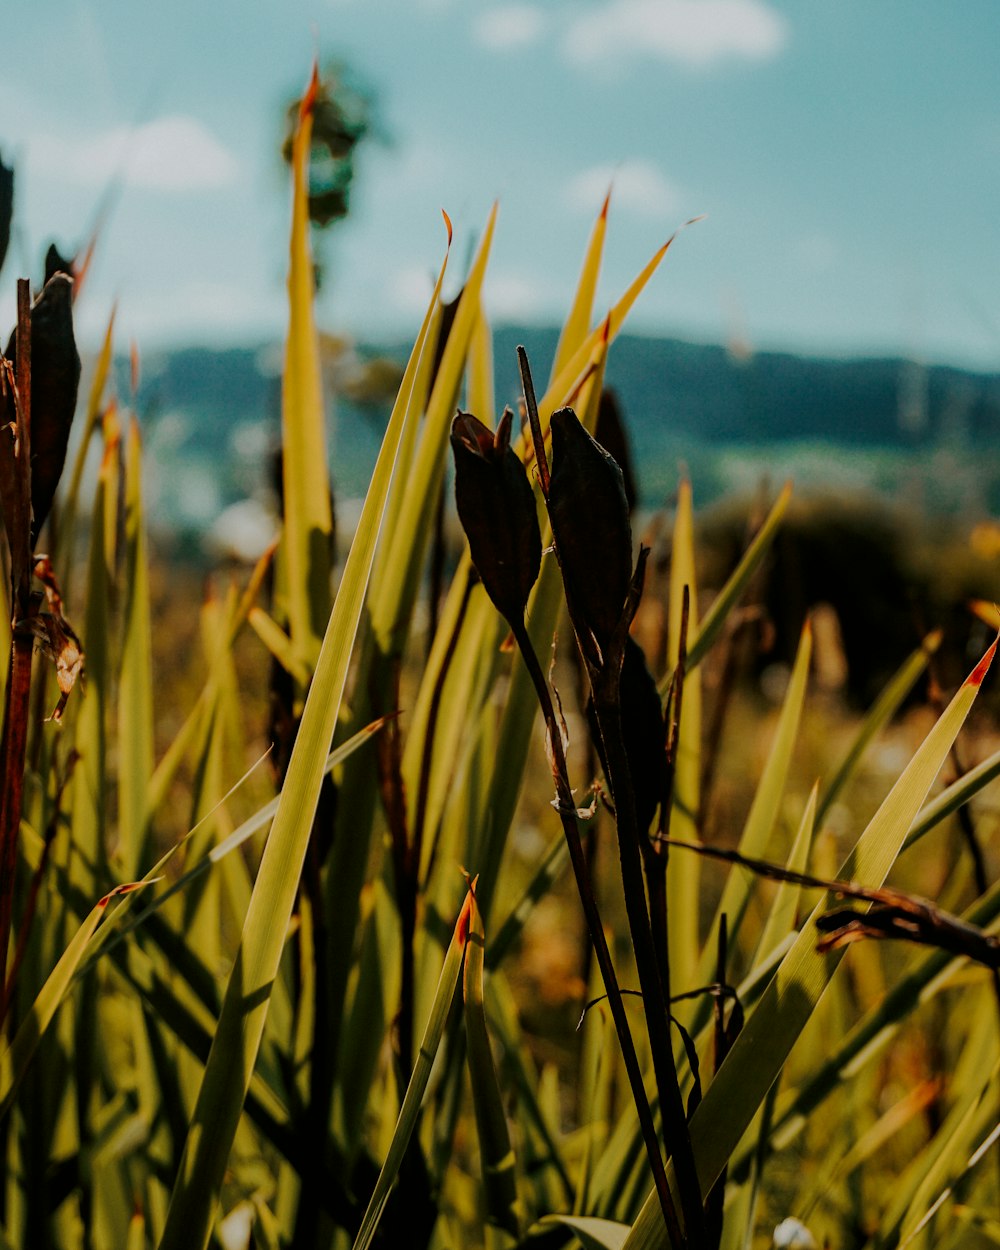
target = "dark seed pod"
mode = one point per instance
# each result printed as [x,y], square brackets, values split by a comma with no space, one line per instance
[55,263]
[644,733]
[613,437]
[55,377]
[6,208]
[589,513]
[497,509]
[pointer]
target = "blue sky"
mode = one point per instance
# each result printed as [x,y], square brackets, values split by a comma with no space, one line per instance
[847,157]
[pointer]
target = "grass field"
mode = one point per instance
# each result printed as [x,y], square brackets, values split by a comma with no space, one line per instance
[305,887]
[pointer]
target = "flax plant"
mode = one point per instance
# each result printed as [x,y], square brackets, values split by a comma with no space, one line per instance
[299,1024]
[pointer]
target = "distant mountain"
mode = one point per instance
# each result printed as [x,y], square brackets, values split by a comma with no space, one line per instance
[211,416]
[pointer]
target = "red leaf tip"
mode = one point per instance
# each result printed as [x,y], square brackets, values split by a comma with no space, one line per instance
[975,678]
[603,214]
[308,102]
[448,226]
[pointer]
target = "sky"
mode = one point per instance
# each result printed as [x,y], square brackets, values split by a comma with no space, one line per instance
[846,157]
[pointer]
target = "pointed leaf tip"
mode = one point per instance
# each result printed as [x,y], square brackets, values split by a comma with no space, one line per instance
[465,917]
[448,226]
[603,214]
[975,678]
[308,102]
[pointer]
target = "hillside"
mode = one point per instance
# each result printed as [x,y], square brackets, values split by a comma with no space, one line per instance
[211,416]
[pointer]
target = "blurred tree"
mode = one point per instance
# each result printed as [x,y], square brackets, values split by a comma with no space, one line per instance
[343,117]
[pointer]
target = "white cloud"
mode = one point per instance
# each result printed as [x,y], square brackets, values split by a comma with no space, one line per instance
[637,187]
[509,27]
[170,154]
[512,297]
[409,289]
[698,33]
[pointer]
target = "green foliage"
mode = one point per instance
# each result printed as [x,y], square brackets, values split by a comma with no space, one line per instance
[267,1044]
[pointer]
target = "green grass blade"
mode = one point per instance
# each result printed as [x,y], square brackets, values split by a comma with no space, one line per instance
[881,712]
[135,691]
[550,868]
[480,396]
[394,592]
[594,1234]
[16,1057]
[781,917]
[89,797]
[305,550]
[280,645]
[727,598]
[765,1042]
[502,1206]
[244,1008]
[410,1110]
[766,803]
[374,1002]
[684,874]
[95,399]
[874,1031]
[577,322]
[952,798]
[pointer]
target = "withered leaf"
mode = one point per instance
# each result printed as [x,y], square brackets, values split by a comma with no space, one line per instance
[497,510]
[57,637]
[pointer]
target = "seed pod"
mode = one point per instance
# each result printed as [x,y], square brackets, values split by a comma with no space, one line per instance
[497,509]
[55,377]
[611,433]
[55,263]
[644,733]
[589,514]
[6,208]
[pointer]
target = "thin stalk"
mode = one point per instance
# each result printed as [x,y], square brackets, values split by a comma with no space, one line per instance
[13,744]
[605,684]
[567,814]
[715,1201]
[973,846]
[654,859]
[606,706]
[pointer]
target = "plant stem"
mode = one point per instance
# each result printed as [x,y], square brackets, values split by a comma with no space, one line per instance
[13,743]
[606,705]
[566,807]
[653,852]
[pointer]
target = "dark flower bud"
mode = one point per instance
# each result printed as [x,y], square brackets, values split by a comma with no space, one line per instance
[589,514]
[612,435]
[55,263]
[6,208]
[55,377]
[644,733]
[497,509]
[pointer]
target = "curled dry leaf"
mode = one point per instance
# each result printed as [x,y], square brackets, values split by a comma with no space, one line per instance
[56,636]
